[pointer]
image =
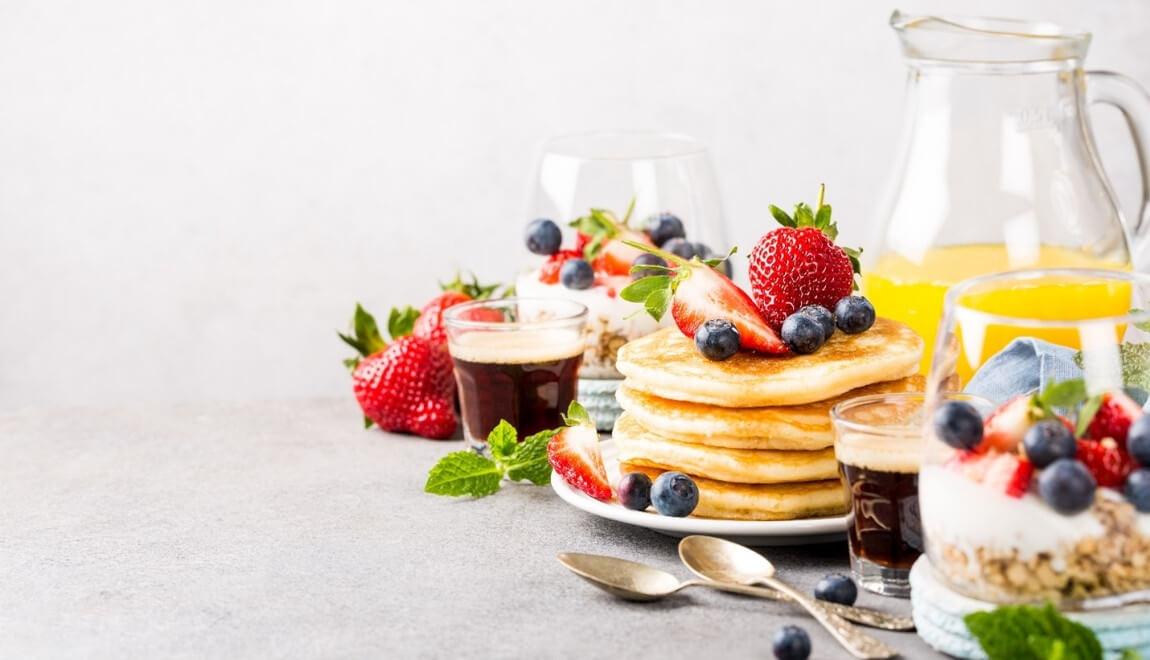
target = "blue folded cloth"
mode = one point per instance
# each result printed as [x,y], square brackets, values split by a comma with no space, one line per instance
[1025,365]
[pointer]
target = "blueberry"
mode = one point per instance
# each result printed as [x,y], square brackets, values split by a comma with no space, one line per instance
[823,316]
[543,237]
[837,588]
[1138,489]
[576,274]
[681,247]
[958,424]
[1067,486]
[854,314]
[663,227]
[647,259]
[1138,440]
[1047,441]
[717,339]
[791,643]
[674,494]
[634,490]
[802,334]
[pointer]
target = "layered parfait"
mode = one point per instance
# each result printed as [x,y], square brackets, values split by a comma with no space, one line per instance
[1046,499]
[592,264]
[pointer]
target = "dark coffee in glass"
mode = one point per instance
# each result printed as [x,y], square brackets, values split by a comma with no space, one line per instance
[515,359]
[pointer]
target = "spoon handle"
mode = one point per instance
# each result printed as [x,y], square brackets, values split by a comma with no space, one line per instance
[854,640]
[861,615]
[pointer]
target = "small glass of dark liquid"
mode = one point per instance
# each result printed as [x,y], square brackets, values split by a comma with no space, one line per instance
[879,446]
[515,359]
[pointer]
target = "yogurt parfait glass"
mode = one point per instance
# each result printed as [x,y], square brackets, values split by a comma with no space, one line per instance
[590,193]
[1047,497]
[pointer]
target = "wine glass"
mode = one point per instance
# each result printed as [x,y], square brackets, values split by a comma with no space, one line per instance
[1044,501]
[633,176]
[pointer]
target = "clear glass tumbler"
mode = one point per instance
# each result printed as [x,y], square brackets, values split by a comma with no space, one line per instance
[515,359]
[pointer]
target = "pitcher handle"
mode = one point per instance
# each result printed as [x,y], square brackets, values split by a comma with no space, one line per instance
[1125,94]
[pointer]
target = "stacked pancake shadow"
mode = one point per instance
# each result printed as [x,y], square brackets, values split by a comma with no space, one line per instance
[754,432]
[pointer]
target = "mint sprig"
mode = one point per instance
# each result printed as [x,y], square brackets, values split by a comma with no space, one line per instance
[463,473]
[1024,632]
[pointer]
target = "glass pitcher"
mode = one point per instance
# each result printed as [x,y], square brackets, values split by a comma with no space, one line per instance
[997,168]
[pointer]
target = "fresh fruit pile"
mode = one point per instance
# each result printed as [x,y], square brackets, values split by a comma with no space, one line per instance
[1058,443]
[406,386]
[797,275]
[602,256]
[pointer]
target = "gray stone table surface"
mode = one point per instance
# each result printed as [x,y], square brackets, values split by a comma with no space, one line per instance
[282,529]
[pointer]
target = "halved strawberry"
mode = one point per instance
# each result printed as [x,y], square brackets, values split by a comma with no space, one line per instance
[1106,460]
[617,256]
[574,454]
[697,293]
[1116,413]
[1009,474]
[1004,428]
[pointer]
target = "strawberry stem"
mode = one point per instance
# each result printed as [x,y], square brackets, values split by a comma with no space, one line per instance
[666,256]
[822,194]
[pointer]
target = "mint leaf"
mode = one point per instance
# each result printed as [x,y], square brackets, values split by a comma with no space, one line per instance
[657,303]
[1023,632]
[640,289]
[464,473]
[577,415]
[529,461]
[1086,414]
[502,440]
[401,321]
[1064,394]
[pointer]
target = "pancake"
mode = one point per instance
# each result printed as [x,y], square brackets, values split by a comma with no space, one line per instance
[667,364]
[803,427]
[719,499]
[639,446]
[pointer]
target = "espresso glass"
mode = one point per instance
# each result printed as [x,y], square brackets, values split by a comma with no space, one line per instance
[879,446]
[515,359]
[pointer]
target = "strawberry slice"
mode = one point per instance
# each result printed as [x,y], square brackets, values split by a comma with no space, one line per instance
[1010,474]
[617,256]
[1116,413]
[574,454]
[1004,428]
[1106,460]
[697,293]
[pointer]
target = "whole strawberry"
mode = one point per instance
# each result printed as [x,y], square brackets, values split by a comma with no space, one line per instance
[405,386]
[429,325]
[798,264]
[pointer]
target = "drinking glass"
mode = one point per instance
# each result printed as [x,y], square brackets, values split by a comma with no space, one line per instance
[1002,524]
[878,444]
[647,173]
[515,359]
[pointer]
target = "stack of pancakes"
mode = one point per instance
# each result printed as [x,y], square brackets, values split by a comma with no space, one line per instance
[754,432]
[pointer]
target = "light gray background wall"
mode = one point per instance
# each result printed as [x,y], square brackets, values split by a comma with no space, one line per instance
[193,195]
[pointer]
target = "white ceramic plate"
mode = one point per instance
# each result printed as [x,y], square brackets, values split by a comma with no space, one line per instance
[747,532]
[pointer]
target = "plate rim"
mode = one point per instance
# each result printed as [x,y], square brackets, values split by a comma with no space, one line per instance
[764,528]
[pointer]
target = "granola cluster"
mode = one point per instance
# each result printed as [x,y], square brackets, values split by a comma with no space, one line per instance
[1117,562]
[602,346]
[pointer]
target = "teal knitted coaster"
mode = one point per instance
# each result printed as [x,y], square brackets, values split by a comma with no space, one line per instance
[938,614]
[598,397]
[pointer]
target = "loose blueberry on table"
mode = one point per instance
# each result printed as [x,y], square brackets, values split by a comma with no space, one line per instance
[791,643]
[674,494]
[837,588]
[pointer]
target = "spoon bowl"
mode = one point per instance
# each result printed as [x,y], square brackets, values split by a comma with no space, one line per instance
[723,561]
[625,579]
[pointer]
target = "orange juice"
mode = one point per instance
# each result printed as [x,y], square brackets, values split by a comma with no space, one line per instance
[913,292]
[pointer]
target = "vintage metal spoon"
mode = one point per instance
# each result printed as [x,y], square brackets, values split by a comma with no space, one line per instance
[733,564]
[634,581]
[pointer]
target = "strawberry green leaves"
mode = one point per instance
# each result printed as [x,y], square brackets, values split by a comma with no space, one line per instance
[400,322]
[601,225]
[577,415]
[473,288]
[463,473]
[819,219]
